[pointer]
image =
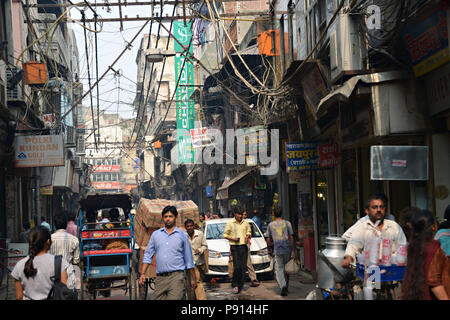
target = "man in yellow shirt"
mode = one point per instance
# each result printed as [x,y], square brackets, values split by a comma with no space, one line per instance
[238,232]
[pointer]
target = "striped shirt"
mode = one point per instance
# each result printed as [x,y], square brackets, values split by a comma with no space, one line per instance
[67,245]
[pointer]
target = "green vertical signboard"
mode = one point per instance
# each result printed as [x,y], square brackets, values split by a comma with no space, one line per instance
[185,105]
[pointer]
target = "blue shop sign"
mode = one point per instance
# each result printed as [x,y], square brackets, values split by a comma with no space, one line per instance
[301,156]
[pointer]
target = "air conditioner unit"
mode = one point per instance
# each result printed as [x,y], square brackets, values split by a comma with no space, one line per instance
[81,146]
[347,49]
[78,162]
[15,93]
[70,136]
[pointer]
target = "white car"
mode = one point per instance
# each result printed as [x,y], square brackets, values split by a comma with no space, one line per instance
[219,249]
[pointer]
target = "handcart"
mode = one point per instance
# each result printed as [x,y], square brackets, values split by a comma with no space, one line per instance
[106,249]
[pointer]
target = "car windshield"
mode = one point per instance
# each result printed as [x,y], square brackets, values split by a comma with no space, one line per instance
[215,231]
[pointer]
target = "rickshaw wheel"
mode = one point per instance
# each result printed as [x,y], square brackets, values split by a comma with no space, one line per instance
[132,284]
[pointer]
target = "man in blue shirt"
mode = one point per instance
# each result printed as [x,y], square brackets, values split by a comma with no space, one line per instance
[173,255]
[257,219]
[280,233]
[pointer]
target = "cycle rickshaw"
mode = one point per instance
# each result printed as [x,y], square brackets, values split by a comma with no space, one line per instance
[107,257]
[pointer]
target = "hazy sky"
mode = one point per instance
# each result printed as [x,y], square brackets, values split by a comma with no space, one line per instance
[111,41]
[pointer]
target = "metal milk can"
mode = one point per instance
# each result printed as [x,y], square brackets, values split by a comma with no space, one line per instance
[329,263]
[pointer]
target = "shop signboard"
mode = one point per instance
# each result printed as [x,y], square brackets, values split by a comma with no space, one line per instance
[209,191]
[329,155]
[438,90]
[16,252]
[200,138]
[49,120]
[112,185]
[399,163]
[426,40]
[184,71]
[255,138]
[106,168]
[46,181]
[38,151]
[301,156]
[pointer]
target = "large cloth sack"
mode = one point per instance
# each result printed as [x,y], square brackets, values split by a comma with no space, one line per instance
[292,267]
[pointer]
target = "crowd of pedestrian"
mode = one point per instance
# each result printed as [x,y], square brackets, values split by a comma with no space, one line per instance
[182,255]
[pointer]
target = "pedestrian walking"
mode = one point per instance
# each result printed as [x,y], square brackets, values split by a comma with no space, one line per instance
[405,220]
[238,232]
[44,223]
[33,274]
[280,233]
[202,219]
[199,246]
[443,234]
[23,237]
[251,271]
[71,225]
[67,245]
[257,219]
[173,254]
[427,275]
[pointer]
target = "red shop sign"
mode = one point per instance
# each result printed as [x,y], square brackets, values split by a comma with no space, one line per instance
[329,155]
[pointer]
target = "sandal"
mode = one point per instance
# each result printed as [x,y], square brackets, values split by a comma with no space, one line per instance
[236,290]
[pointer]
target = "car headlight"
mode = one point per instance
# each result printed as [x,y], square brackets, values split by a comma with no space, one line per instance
[263,252]
[214,254]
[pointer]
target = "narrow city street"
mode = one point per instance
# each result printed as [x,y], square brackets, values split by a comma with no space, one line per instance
[299,287]
[161,139]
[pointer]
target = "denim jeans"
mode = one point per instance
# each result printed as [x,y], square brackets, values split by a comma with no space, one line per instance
[280,274]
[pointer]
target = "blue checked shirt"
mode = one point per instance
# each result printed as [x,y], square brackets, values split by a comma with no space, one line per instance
[173,252]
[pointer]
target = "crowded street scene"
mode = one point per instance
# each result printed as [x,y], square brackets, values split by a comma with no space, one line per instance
[224,151]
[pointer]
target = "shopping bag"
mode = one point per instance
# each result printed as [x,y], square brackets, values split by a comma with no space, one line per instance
[292,267]
[230,266]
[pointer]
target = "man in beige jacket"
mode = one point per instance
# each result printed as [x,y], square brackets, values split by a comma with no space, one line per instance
[199,246]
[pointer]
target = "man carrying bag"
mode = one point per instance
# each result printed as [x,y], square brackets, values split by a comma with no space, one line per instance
[281,233]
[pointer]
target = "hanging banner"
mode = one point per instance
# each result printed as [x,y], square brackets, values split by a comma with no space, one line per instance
[185,105]
[301,156]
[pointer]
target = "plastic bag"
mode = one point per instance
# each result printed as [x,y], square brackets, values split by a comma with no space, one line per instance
[292,267]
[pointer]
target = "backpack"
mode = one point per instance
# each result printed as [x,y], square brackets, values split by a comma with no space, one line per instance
[59,290]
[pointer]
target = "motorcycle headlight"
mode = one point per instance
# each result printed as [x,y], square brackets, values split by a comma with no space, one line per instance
[263,252]
[214,254]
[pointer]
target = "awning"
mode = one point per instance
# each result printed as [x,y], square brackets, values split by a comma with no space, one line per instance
[344,92]
[222,191]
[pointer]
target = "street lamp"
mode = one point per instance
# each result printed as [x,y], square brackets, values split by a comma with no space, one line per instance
[154,55]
